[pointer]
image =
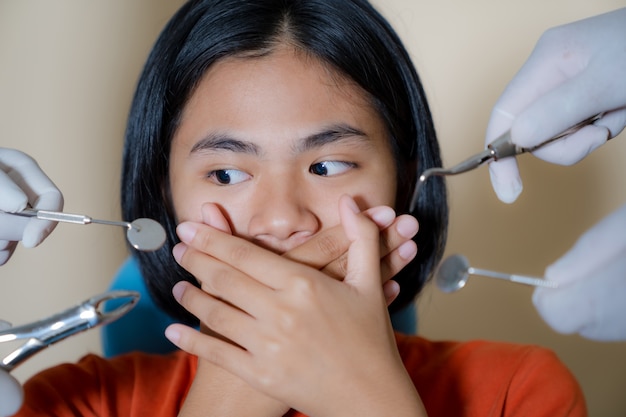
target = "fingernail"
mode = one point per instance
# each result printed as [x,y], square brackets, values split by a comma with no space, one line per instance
[178,251]
[186,231]
[384,216]
[178,289]
[407,226]
[172,334]
[391,289]
[407,250]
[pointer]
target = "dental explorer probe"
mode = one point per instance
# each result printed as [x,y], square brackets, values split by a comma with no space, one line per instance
[454,271]
[143,234]
[502,147]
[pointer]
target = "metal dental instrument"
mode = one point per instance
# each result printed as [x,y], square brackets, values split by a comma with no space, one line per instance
[454,271]
[84,316]
[143,234]
[502,147]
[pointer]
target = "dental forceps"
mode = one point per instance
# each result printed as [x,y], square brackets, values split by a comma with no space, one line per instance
[502,147]
[87,315]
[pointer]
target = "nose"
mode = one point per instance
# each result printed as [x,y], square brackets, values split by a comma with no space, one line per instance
[281,216]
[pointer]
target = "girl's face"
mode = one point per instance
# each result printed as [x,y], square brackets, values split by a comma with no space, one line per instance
[274,141]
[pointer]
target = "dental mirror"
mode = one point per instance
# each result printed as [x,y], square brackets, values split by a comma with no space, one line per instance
[143,234]
[454,271]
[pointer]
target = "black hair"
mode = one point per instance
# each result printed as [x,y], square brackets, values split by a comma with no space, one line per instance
[349,36]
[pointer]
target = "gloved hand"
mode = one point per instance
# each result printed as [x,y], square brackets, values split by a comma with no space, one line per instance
[11,393]
[575,71]
[591,297]
[22,182]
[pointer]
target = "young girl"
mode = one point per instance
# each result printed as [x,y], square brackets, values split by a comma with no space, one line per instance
[258,126]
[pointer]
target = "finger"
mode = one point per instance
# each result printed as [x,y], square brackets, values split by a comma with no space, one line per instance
[28,177]
[12,197]
[213,216]
[12,227]
[266,267]
[6,250]
[227,321]
[575,101]
[218,352]
[598,246]
[327,249]
[575,147]
[396,248]
[400,230]
[11,394]
[590,306]
[390,264]
[223,281]
[538,75]
[37,230]
[391,290]
[500,122]
[364,250]
[504,174]
[223,354]
[614,121]
[505,179]
[40,191]
[399,258]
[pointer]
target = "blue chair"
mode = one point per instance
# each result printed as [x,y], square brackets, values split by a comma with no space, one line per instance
[142,328]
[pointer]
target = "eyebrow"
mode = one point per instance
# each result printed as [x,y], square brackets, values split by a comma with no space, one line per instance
[335,133]
[224,141]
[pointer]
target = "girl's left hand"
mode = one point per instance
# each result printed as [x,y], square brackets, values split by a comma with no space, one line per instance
[322,346]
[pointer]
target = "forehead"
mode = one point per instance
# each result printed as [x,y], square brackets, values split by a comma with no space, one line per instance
[285,88]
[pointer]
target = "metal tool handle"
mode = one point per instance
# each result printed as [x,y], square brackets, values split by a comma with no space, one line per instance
[56,216]
[520,279]
[503,147]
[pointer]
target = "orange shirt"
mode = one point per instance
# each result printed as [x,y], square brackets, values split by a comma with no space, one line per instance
[476,378]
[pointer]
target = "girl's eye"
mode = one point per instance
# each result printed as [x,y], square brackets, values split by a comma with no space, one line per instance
[227,176]
[330,168]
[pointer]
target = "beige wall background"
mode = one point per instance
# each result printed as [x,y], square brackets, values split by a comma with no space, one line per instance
[67,73]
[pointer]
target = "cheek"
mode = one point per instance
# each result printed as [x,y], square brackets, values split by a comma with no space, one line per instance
[326,208]
[186,201]
[381,194]
[378,188]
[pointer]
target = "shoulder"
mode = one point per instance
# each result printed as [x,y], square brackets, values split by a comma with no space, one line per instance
[134,365]
[134,378]
[492,374]
[476,353]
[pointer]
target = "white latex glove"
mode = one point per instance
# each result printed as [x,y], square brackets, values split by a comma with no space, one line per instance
[22,182]
[575,71]
[11,393]
[591,297]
